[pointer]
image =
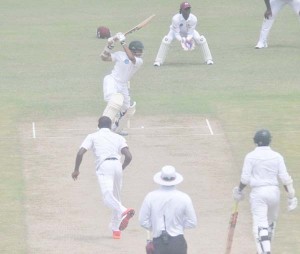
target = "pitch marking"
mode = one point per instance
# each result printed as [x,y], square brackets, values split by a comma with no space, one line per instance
[209,127]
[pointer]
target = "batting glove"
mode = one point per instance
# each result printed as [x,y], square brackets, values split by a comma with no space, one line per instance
[121,37]
[292,203]
[238,195]
[111,40]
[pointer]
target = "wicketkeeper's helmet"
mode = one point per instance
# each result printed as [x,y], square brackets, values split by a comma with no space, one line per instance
[136,46]
[262,137]
[184,6]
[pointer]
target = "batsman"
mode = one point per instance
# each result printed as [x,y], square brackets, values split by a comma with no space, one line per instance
[119,107]
[263,170]
[183,29]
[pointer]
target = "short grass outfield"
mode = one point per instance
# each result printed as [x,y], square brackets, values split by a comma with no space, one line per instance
[51,70]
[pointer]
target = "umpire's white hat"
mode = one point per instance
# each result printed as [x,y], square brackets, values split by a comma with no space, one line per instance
[168,176]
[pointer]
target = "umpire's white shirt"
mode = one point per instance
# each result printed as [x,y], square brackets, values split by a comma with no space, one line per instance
[174,204]
[263,167]
[105,144]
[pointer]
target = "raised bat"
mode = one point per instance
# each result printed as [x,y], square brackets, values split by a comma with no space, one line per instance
[140,25]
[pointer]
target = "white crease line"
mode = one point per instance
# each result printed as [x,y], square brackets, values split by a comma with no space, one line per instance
[133,135]
[132,128]
[33,130]
[164,127]
[209,127]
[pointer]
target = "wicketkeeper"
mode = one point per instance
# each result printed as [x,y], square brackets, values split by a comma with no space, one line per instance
[183,29]
[115,85]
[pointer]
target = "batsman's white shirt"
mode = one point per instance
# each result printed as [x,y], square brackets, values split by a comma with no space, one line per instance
[175,205]
[124,69]
[182,27]
[263,167]
[105,144]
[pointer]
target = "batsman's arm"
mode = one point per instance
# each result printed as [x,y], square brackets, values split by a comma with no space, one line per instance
[106,53]
[129,54]
[121,37]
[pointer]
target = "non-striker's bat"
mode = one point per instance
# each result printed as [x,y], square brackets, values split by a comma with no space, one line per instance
[140,25]
[232,224]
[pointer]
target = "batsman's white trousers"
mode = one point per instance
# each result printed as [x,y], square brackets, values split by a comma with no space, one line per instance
[264,203]
[110,175]
[112,86]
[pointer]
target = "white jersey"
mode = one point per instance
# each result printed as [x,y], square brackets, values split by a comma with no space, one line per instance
[263,167]
[124,68]
[105,144]
[180,26]
[175,205]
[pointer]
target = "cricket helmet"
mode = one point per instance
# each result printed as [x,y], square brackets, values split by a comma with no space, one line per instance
[136,46]
[262,137]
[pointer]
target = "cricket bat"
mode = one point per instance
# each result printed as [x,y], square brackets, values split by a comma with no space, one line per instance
[140,25]
[232,224]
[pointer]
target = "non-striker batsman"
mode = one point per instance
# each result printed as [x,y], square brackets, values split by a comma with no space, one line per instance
[262,170]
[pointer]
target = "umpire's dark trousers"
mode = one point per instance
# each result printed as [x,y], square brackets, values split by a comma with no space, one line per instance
[176,245]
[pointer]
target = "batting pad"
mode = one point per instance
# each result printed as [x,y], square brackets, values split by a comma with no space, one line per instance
[163,50]
[123,119]
[114,106]
[205,49]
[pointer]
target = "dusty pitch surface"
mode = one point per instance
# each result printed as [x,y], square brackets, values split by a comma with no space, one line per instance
[64,216]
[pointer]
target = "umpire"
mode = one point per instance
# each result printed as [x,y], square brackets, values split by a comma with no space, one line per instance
[166,212]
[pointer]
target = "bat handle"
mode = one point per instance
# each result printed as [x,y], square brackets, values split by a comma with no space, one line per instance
[236,206]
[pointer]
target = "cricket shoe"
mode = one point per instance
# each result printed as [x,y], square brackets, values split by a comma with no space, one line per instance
[116,234]
[126,216]
[261,45]
[157,64]
[209,62]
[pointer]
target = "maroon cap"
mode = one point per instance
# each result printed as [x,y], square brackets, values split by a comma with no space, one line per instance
[185,5]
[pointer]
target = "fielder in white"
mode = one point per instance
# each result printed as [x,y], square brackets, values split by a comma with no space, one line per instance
[183,29]
[273,7]
[262,169]
[115,85]
[108,148]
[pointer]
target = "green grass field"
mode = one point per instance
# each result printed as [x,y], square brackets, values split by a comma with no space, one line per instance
[51,69]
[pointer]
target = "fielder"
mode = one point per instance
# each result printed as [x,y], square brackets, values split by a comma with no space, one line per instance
[115,85]
[108,148]
[273,7]
[183,29]
[261,171]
